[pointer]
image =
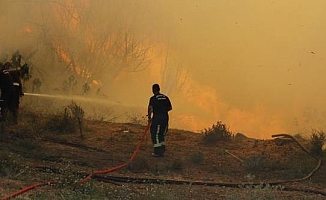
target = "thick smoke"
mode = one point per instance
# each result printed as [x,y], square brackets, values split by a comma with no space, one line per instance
[257,66]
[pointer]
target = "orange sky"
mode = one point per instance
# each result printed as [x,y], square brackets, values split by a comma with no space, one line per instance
[257,66]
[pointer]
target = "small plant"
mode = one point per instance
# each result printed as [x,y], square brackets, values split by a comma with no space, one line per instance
[136,119]
[78,113]
[254,163]
[102,114]
[317,141]
[61,123]
[76,110]
[217,132]
[65,122]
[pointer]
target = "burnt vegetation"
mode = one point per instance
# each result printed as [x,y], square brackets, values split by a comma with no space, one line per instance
[218,132]
[48,146]
[317,141]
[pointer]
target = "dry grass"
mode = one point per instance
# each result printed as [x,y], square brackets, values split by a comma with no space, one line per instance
[32,153]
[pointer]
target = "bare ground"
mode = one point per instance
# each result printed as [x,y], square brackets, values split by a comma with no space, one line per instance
[243,168]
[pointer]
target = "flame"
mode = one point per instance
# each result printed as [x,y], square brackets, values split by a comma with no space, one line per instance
[27,29]
[204,107]
[62,53]
[196,105]
[96,82]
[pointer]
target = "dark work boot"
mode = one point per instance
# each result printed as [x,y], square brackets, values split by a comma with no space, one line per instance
[158,152]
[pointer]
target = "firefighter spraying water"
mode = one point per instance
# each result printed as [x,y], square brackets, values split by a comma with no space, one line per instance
[11,75]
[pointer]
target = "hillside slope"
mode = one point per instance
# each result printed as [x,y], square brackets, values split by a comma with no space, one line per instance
[31,153]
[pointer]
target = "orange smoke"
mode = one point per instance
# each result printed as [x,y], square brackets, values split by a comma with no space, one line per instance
[71,11]
[199,107]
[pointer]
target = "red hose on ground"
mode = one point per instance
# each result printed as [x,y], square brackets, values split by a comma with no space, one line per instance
[89,176]
[124,164]
[139,143]
[27,189]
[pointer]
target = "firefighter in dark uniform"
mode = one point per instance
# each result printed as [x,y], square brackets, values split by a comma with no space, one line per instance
[159,106]
[18,92]
[7,92]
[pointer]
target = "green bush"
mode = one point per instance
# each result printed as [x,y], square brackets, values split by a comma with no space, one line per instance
[217,132]
[317,141]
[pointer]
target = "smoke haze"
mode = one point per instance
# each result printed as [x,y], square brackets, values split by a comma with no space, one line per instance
[257,66]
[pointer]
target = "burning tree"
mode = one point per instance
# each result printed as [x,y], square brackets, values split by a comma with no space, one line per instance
[96,50]
[77,37]
[92,42]
[174,73]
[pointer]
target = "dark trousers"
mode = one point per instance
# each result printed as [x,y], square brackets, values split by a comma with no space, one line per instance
[159,128]
[8,101]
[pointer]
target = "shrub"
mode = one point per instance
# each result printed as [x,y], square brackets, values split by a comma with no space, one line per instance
[78,114]
[103,114]
[76,111]
[136,119]
[61,123]
[68,120]
[217,132]
[254,163]
[317,141]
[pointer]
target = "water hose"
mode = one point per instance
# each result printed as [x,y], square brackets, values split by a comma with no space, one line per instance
[111,169]
[98,175]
